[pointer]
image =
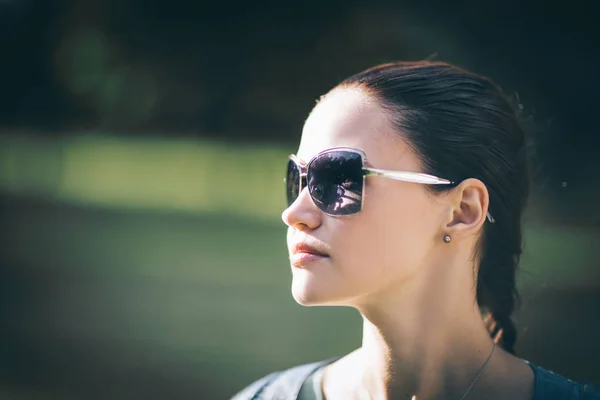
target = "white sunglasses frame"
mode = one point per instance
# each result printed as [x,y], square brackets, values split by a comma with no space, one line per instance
[404,176]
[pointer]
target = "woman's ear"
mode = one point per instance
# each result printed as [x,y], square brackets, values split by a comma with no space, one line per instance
[470,200]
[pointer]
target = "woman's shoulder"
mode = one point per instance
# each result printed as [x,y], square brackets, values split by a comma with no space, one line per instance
[550,385]
[286,384]
[283,384]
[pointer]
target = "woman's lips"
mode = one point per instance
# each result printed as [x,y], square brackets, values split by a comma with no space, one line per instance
[303,254]
[301,259]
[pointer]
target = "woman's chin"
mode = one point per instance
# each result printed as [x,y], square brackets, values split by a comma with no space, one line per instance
[308,290]
[306,298]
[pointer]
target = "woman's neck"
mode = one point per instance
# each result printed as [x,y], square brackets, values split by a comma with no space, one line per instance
[420,345]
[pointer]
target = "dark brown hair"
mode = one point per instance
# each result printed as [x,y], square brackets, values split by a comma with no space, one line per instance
[462,125]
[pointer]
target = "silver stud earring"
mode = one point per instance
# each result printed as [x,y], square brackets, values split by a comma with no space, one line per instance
[447,239]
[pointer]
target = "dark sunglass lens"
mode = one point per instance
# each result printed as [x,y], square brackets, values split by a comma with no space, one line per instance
[292,182]
[335,182]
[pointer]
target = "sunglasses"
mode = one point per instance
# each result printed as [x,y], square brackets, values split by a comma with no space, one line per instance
[336,180]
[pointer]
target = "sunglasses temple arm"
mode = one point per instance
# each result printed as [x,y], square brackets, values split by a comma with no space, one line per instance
[414,177]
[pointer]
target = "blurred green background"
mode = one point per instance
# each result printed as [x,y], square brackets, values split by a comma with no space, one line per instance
[142,148]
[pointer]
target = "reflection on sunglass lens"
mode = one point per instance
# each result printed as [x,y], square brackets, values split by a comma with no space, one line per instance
[292,182]
[335,182]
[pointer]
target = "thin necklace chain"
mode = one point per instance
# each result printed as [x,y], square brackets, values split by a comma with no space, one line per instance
[479,372]
[475,379]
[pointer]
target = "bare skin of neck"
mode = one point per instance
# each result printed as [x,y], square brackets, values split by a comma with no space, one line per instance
[426,341]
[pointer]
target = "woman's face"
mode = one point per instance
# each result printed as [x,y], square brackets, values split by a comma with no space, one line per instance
[383,246]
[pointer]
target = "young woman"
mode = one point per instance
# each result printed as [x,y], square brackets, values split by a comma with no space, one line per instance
[405,202]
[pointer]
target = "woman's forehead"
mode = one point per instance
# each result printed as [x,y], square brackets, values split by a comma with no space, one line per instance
[343,118]
[351,118]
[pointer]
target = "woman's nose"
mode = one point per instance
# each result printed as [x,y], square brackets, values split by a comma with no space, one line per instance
[302,214]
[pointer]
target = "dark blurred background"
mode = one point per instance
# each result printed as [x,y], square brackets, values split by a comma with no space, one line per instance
[142,146]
